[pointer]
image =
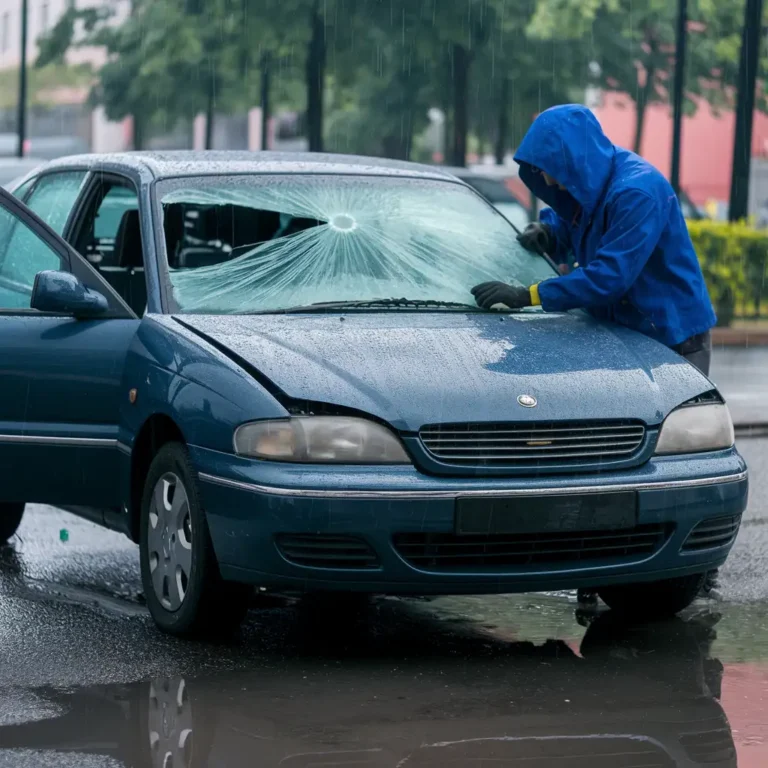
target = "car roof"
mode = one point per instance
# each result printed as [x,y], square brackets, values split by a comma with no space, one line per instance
[158,165]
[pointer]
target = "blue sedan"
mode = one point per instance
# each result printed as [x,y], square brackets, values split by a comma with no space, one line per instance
[269,370]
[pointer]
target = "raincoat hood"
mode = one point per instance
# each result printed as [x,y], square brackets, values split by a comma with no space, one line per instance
[567,143]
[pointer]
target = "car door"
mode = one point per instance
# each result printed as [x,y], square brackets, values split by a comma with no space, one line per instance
[60,377]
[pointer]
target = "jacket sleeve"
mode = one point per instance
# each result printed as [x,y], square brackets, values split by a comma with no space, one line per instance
[560,231]
[635,224]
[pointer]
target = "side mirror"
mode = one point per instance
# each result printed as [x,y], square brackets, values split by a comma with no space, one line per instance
[62,292]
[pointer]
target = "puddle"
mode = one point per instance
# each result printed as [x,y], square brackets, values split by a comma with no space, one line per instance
[452,682]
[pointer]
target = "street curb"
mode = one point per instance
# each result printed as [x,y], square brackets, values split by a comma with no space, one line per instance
[739,337]
[750,430]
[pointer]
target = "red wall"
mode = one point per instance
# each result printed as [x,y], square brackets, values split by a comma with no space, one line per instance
[707,142]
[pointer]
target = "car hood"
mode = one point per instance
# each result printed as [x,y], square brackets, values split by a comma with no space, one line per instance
[417,368]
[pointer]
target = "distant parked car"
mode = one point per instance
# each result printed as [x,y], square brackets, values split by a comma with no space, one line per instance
[497,193]
[12,169]
[690,211]
[45,147]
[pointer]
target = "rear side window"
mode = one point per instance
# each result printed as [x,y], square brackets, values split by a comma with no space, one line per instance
[54,197]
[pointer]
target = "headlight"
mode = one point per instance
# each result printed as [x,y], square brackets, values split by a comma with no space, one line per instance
[320,440]
[696,428]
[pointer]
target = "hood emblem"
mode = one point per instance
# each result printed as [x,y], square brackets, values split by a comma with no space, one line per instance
[527,401]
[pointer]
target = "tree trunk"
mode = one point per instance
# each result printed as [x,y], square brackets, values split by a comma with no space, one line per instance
[209,111]
[315,81]
[461,63]
[138,131]
[266,76]
[502,126]
[397,147]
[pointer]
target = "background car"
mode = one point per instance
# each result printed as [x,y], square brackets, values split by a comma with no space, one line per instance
[690,211]
[494,189]
[13,169]
[44,147]
[271,371]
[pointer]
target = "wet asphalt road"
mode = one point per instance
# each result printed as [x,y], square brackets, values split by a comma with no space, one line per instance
[86,680]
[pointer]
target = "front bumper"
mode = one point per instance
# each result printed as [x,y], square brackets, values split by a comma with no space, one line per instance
[250,503]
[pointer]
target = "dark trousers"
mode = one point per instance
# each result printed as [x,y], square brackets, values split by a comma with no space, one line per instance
[697,351]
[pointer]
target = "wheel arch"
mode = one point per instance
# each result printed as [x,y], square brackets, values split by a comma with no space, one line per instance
[158,430]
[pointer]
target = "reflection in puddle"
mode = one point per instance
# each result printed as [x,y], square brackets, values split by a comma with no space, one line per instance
[416,686]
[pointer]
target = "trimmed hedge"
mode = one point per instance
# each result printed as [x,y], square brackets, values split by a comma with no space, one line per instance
[734,259]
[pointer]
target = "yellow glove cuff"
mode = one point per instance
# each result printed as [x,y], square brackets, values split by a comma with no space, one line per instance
[535,300]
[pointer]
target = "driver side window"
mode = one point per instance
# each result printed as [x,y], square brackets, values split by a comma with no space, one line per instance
[24,255]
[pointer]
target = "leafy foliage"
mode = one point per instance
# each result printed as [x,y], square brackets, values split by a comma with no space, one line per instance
[378,66]
[634,45]
[734,259]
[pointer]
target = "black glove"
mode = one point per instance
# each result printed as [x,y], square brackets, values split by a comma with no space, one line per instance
[488,294]
[536,237]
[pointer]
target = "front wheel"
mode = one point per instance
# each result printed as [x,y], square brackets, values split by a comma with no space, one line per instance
[183,587]
[653,600]
[10,519]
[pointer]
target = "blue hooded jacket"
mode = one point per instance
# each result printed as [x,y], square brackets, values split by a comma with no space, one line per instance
[622,221]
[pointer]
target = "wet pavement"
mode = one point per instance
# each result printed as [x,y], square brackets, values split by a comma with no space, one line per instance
[741,375]
[525,680]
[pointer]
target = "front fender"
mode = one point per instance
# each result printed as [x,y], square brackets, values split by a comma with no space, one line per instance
[177,374]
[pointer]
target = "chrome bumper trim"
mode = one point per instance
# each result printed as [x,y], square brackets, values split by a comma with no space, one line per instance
[320,493]
[95,442]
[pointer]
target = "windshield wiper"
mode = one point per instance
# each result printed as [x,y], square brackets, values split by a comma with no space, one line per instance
[325,306]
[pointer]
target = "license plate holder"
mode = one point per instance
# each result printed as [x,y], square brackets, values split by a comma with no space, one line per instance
[475,515]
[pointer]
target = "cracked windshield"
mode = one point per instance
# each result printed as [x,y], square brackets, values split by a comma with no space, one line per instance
[383,383]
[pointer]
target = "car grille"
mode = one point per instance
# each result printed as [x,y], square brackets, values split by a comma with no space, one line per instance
[533,445]
[320,550]
[447,551]
[710,534]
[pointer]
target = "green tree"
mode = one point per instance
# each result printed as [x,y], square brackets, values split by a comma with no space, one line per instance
[517,76]
[634,44]
[165,61]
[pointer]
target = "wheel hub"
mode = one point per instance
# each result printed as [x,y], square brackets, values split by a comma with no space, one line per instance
[170,724]
[169,541]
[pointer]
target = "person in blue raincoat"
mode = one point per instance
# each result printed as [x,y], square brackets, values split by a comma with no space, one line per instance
[621,221]
[617,220]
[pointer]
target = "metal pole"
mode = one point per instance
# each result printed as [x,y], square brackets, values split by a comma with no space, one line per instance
[265,106]
[745,106]
[21,121]
[678,91]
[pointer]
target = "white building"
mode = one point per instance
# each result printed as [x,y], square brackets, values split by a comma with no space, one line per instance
[42,15]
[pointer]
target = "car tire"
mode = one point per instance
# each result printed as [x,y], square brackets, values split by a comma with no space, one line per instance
[185,593]
[10,519]
[653,600]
